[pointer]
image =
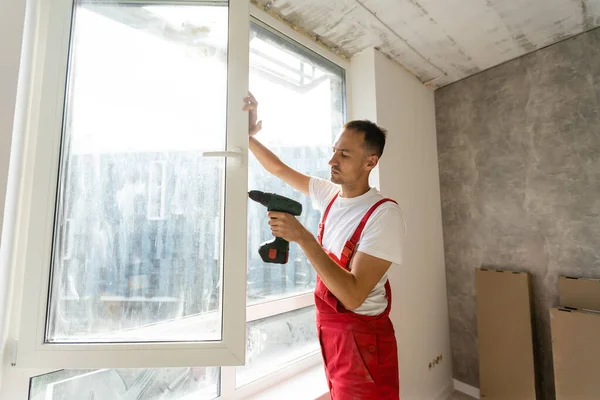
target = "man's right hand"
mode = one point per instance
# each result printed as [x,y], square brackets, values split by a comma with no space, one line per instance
[251,105]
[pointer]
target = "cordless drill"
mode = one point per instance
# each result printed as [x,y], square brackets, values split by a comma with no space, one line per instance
[275,251]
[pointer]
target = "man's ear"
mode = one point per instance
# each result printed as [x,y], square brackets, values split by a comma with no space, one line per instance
[372,162]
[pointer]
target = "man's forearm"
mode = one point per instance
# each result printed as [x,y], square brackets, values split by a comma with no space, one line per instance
[278,168]
[265,157]
[340,282]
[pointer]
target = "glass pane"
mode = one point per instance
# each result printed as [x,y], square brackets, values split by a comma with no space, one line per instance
[276,342]
[127,384]
[137,247]
[301,97]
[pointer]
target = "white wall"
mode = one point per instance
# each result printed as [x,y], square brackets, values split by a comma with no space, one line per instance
[12,17]
[409,173]
[363,97]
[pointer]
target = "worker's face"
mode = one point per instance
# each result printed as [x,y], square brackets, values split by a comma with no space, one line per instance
[351,161]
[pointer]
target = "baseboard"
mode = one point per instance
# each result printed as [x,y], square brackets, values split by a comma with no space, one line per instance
[466,389]
[446,392]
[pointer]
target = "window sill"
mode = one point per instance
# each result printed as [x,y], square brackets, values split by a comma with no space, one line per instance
[309,384]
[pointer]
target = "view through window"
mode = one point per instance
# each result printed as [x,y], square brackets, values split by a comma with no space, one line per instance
[301,103]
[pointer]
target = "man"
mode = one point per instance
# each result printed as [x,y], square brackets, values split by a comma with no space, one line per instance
[359,238]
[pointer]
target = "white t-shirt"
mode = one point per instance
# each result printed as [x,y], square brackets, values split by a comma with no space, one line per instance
[382,236]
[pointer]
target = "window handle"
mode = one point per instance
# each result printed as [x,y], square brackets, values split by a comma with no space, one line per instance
[235,154]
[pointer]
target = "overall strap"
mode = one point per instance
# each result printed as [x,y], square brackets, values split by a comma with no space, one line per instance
[351,244]
[322,224]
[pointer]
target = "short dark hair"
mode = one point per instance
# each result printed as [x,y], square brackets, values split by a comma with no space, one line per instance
[374,135]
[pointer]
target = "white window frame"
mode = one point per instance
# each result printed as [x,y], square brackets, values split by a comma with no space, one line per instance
[39,190]
[21,373]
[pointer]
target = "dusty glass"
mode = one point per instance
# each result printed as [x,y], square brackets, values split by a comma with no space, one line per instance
[138,234]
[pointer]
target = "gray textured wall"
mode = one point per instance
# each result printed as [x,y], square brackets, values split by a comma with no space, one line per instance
[519,156]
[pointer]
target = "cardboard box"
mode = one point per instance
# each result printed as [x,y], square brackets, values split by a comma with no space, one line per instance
[576,353]
[579,293]
[504,325]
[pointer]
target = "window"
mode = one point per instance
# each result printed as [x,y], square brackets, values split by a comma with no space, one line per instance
[285,78]
[117,384]
[276,342]
[137,234]
[140,238]
[134,274]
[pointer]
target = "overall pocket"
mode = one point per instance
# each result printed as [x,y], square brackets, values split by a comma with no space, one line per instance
[365,346]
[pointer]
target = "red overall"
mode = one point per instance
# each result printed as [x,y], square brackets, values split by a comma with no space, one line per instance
[359,351]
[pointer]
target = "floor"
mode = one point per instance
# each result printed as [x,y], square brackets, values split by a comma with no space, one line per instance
[460,396]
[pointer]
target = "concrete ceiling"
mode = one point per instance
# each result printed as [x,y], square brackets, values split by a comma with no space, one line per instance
[439,41]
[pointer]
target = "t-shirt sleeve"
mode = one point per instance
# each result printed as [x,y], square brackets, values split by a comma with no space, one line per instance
[383,236]
[321,192]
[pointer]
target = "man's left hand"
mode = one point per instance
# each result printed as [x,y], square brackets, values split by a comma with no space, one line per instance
[286,226]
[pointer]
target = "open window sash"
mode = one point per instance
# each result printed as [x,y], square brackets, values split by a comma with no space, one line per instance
[174,338]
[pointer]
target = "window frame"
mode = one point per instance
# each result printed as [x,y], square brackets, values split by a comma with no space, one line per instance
[39,191]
